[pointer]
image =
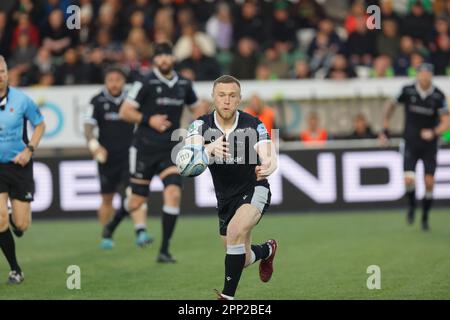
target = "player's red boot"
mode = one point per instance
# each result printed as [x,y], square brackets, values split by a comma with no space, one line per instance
[266,265]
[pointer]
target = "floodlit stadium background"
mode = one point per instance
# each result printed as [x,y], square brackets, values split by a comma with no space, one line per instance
[297,57]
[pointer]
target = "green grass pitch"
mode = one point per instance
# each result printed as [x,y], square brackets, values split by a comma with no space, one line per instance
[321,256]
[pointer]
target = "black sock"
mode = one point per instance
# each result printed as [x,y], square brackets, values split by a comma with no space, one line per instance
[261,251]
[168,226]
[234,264]
[109,229]
[426,205]
[411,195]
[139,230]
[9,249]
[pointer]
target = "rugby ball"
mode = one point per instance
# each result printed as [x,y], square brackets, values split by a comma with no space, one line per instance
[192,160]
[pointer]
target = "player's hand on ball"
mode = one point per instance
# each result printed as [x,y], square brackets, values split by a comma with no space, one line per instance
[218,148]
[159,122]
[100,155]
[23,158]
[427,134]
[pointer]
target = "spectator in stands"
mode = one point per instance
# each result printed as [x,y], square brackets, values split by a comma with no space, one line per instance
[308,13]
[360,44]
[357,10]
[163,22]
[441,56]
[340,69]
[382,67]
[112,51]
[418,24]
[5,35]
[137,20]
[263,72]
[21,58]
[148,7]
[85,35]
[323,47]
[282,29]
[416,60]
[205,68]
[96,64]
[42,64]
[250,23]
[279,69]
[301,69]
[32,8]
[131,64]
[184,46]
[387,11]
[361,129]
[257,108]
[107,20]
[56,37]
[72,71]
[244,62]
[440,29]
[46,79]
[403,59]
[139,41]
[388,42]
[220,27]
[25,26]
[313,134]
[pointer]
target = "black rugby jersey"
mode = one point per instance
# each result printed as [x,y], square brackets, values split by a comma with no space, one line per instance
[113,133]
[422,110]
[236,174]
[154,95]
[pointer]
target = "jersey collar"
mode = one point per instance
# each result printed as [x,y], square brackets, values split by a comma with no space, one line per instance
[113,99]
[422,93]
[4,100]
[163,79]
[232,128]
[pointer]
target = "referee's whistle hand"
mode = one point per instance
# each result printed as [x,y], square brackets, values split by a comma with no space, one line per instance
[23,158]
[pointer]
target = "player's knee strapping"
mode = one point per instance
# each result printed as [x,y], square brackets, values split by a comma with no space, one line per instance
[140,189]
[172,179]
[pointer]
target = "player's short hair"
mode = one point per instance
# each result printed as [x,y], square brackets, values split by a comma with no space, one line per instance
[2,59]
[226,79]
[117,69]
[162,48]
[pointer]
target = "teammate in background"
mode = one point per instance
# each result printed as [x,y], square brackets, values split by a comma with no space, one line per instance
[426,118]
[155,104]
[257,108]
[111,148]
[241,186]
[16,165]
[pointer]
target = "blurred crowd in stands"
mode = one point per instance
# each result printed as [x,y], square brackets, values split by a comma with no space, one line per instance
[249,39]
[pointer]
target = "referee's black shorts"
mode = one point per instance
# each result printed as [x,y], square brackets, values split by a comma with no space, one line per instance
[258,196]
[17,181]
[426,151]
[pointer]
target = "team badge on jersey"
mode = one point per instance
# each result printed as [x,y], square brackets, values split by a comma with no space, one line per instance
[194,127]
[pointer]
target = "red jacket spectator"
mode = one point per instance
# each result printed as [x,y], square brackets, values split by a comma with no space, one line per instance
[25,26]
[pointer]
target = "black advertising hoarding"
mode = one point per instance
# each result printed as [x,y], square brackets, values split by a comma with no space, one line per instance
[307,180]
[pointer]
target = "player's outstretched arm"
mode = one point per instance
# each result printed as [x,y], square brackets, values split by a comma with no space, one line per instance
[269,160]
